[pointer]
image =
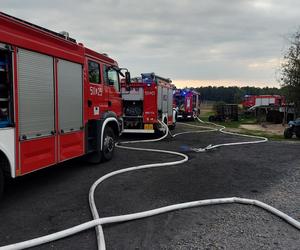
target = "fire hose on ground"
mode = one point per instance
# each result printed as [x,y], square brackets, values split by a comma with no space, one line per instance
[98,222]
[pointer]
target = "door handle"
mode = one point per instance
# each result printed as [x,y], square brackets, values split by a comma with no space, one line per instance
[90,103]
[109,103]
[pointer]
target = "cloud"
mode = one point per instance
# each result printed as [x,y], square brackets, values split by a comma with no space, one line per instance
[180,39]
[268,64]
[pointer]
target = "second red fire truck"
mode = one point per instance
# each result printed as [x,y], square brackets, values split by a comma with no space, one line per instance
[146,101]
[58,99]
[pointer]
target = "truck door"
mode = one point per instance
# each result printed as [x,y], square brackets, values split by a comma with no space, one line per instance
[6,87]
[70,109]
[188,103]
[97,97]
[111,78]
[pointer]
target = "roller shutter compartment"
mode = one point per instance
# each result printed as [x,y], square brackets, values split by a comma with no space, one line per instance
[159,98]
[170,102]
[165,100]
[69,96]
[36,94]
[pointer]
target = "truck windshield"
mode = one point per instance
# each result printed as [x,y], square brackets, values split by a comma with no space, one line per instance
[179,100]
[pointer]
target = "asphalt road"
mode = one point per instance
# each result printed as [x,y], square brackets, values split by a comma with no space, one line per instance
[57,198]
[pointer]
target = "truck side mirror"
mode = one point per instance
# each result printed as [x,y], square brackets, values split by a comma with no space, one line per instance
[127,77]
[127,80]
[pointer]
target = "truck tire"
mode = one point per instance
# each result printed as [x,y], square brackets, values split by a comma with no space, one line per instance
[172,127]
[108,144]
[211,118]
[288,133]
[1,182]
[166,121]
[94,158]
[297,132]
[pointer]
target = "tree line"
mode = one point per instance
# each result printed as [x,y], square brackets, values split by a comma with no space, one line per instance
[235,94]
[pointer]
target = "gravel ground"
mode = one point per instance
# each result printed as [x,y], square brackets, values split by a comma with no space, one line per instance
[57,198]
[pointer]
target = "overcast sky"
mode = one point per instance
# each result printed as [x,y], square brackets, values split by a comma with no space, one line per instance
[193,42]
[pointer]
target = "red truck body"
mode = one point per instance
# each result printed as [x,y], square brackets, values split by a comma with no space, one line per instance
[146,101]
[187,103]
[263,100]
[58,98]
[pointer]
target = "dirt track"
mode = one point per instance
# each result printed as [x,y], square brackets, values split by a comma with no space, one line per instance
[56,198]
[276,129]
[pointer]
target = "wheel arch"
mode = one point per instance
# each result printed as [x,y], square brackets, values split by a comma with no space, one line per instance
[7,151]
[111,122]
[5,163]
[174,115]
[114,126]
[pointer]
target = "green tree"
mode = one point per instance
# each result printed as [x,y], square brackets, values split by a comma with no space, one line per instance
[290,69]
[235,94]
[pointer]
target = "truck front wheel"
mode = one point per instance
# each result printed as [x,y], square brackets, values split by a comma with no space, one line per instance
[94,158]
[288,133]
[108,144]
[297,132]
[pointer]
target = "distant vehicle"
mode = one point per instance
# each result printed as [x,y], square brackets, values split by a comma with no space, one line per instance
[294,128]
[251,101]
[147,101]
[187,104]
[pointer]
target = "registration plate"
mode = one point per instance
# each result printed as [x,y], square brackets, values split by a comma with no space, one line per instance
[148,126]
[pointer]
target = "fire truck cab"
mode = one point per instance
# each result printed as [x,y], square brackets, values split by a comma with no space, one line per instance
[58,99]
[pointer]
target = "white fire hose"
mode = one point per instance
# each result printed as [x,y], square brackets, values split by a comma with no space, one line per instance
[221,129]
[98,222]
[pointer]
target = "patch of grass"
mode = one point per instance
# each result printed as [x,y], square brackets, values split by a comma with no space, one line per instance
[234,126]
[230,124]
[270,136]
[251,120]
[204,117]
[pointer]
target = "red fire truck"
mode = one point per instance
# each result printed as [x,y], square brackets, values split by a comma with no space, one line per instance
[187,103]
[263,100]
[146,101]
[58,99]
